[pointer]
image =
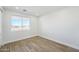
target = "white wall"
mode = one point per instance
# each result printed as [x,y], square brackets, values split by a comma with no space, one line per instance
[0,28]
[10,36]
[61,26]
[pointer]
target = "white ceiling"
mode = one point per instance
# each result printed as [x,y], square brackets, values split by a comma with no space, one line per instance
[34,10]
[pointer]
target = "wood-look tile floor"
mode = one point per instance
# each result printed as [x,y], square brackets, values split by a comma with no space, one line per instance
[36,44]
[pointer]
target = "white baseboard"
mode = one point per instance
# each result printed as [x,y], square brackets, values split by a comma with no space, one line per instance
[64,43]
[17,39]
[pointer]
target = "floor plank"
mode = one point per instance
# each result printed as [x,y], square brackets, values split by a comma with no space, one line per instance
[36,44]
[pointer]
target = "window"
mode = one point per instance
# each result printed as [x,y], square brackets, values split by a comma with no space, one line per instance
[20,23]
[26,23]
[16,23]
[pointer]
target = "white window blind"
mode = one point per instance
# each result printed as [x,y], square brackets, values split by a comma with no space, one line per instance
[20,23]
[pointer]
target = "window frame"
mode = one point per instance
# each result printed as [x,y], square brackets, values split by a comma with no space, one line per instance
[21,27]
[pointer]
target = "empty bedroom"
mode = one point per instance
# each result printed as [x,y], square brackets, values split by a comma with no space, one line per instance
[39,29]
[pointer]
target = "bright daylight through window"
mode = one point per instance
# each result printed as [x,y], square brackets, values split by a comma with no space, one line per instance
[20,23]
